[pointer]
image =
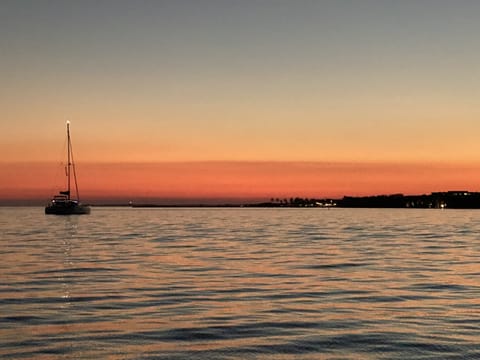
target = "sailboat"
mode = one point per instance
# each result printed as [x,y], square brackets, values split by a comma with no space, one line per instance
[64,203]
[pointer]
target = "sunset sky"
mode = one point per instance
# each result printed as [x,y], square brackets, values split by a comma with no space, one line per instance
[235,99]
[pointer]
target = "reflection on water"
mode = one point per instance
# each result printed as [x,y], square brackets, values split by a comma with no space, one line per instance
[240,283]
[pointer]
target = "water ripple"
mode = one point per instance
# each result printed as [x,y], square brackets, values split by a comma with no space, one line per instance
[240,284]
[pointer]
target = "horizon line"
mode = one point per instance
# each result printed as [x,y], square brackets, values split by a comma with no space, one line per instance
[212,201]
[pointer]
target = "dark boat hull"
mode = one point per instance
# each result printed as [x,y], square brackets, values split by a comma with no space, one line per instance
[67,208]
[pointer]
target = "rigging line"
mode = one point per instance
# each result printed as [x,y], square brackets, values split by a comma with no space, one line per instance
[68,158]
[74,172]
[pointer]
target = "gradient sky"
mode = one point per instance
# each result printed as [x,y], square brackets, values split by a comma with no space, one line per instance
[360,85]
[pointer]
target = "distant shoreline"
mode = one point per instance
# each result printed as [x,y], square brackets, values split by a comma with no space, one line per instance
[436,200]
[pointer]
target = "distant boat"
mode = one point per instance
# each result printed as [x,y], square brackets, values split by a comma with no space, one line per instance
[63,203]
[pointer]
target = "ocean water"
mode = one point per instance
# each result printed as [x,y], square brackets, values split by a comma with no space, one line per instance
[225,283]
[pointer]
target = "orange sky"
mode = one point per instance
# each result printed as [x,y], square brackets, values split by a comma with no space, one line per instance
[231,181]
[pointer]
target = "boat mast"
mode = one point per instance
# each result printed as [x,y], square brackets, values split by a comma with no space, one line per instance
[68,159]
[71,166]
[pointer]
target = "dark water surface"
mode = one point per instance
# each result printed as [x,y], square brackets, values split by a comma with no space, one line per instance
[127,283]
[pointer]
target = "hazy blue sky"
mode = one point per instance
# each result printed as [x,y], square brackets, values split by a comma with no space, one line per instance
[244,71]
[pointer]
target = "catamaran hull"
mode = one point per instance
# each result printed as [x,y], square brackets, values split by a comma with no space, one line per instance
[68,209]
